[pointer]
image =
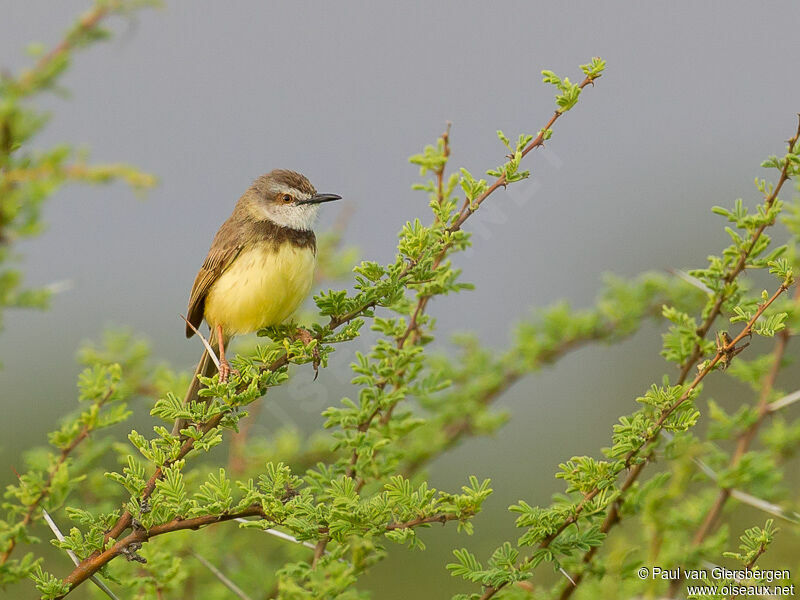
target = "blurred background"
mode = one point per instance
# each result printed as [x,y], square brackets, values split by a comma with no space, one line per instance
[208,95]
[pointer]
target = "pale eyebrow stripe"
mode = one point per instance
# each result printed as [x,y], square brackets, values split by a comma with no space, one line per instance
[285,189]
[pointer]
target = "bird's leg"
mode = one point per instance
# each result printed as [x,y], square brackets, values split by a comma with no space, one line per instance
[304,335]
[224,365]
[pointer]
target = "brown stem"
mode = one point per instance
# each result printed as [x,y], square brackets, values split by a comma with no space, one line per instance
[139,535]
[722,352]
[413,328]
[716,309]
[87,22]
[440,170]
[458,429]
[467,209]
[442,518]
[752,563]
[319,550]
[612,518]
[743,441]
[65,452]
[125,521]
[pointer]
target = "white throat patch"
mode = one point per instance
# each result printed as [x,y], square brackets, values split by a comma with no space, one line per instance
[300,217]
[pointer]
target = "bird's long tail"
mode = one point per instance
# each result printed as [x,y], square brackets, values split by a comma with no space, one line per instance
[207,368]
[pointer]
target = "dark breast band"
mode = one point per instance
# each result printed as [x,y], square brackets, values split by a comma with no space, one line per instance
[269,231]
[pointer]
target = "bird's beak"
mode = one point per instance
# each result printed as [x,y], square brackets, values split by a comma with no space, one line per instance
[319,198]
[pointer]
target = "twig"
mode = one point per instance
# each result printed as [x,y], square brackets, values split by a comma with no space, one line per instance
[740,265]
[743,441]
[79,172]
[711,566]
[139,535]
[750,564]
[612,518]
[440,170]
[319,550]
[221,576]
[468,208]
[412,330]
[655,430]
[60,537]
[87,23]
[28,518]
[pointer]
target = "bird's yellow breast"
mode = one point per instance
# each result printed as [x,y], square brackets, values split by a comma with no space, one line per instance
[264,286]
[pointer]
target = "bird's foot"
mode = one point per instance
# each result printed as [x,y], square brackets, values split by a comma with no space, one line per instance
[225,371]
[304,335]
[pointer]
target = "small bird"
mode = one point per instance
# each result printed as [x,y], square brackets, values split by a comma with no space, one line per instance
[260,266]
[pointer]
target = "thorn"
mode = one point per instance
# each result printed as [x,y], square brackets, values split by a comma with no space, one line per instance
[221,576]
[208,347]
[565,574]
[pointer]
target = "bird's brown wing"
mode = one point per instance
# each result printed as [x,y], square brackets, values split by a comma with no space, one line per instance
[224,250]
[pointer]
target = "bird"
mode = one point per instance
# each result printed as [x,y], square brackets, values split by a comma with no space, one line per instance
[259,268]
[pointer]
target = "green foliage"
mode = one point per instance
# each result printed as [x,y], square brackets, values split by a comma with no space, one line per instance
[29,178]
[510,170]
[566,533]
[49,585]
[341,499]
[753,543]
[570,91]
[357,498]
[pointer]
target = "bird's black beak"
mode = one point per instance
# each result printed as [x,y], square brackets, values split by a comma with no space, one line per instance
[320,198]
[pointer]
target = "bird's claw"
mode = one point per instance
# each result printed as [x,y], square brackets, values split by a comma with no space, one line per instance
[225,371]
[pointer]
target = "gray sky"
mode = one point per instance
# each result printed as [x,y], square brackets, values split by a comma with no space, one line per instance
[208,95]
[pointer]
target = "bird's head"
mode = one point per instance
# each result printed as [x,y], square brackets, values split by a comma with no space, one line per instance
[286,198]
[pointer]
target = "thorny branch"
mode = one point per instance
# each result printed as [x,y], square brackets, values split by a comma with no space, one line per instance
[721,353]
[456,430]
[412,331]
[65,453]
[743,441]
[129,545]
[125,522]
[613,516]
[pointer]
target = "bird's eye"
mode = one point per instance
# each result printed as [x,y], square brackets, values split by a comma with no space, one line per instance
[287,198]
